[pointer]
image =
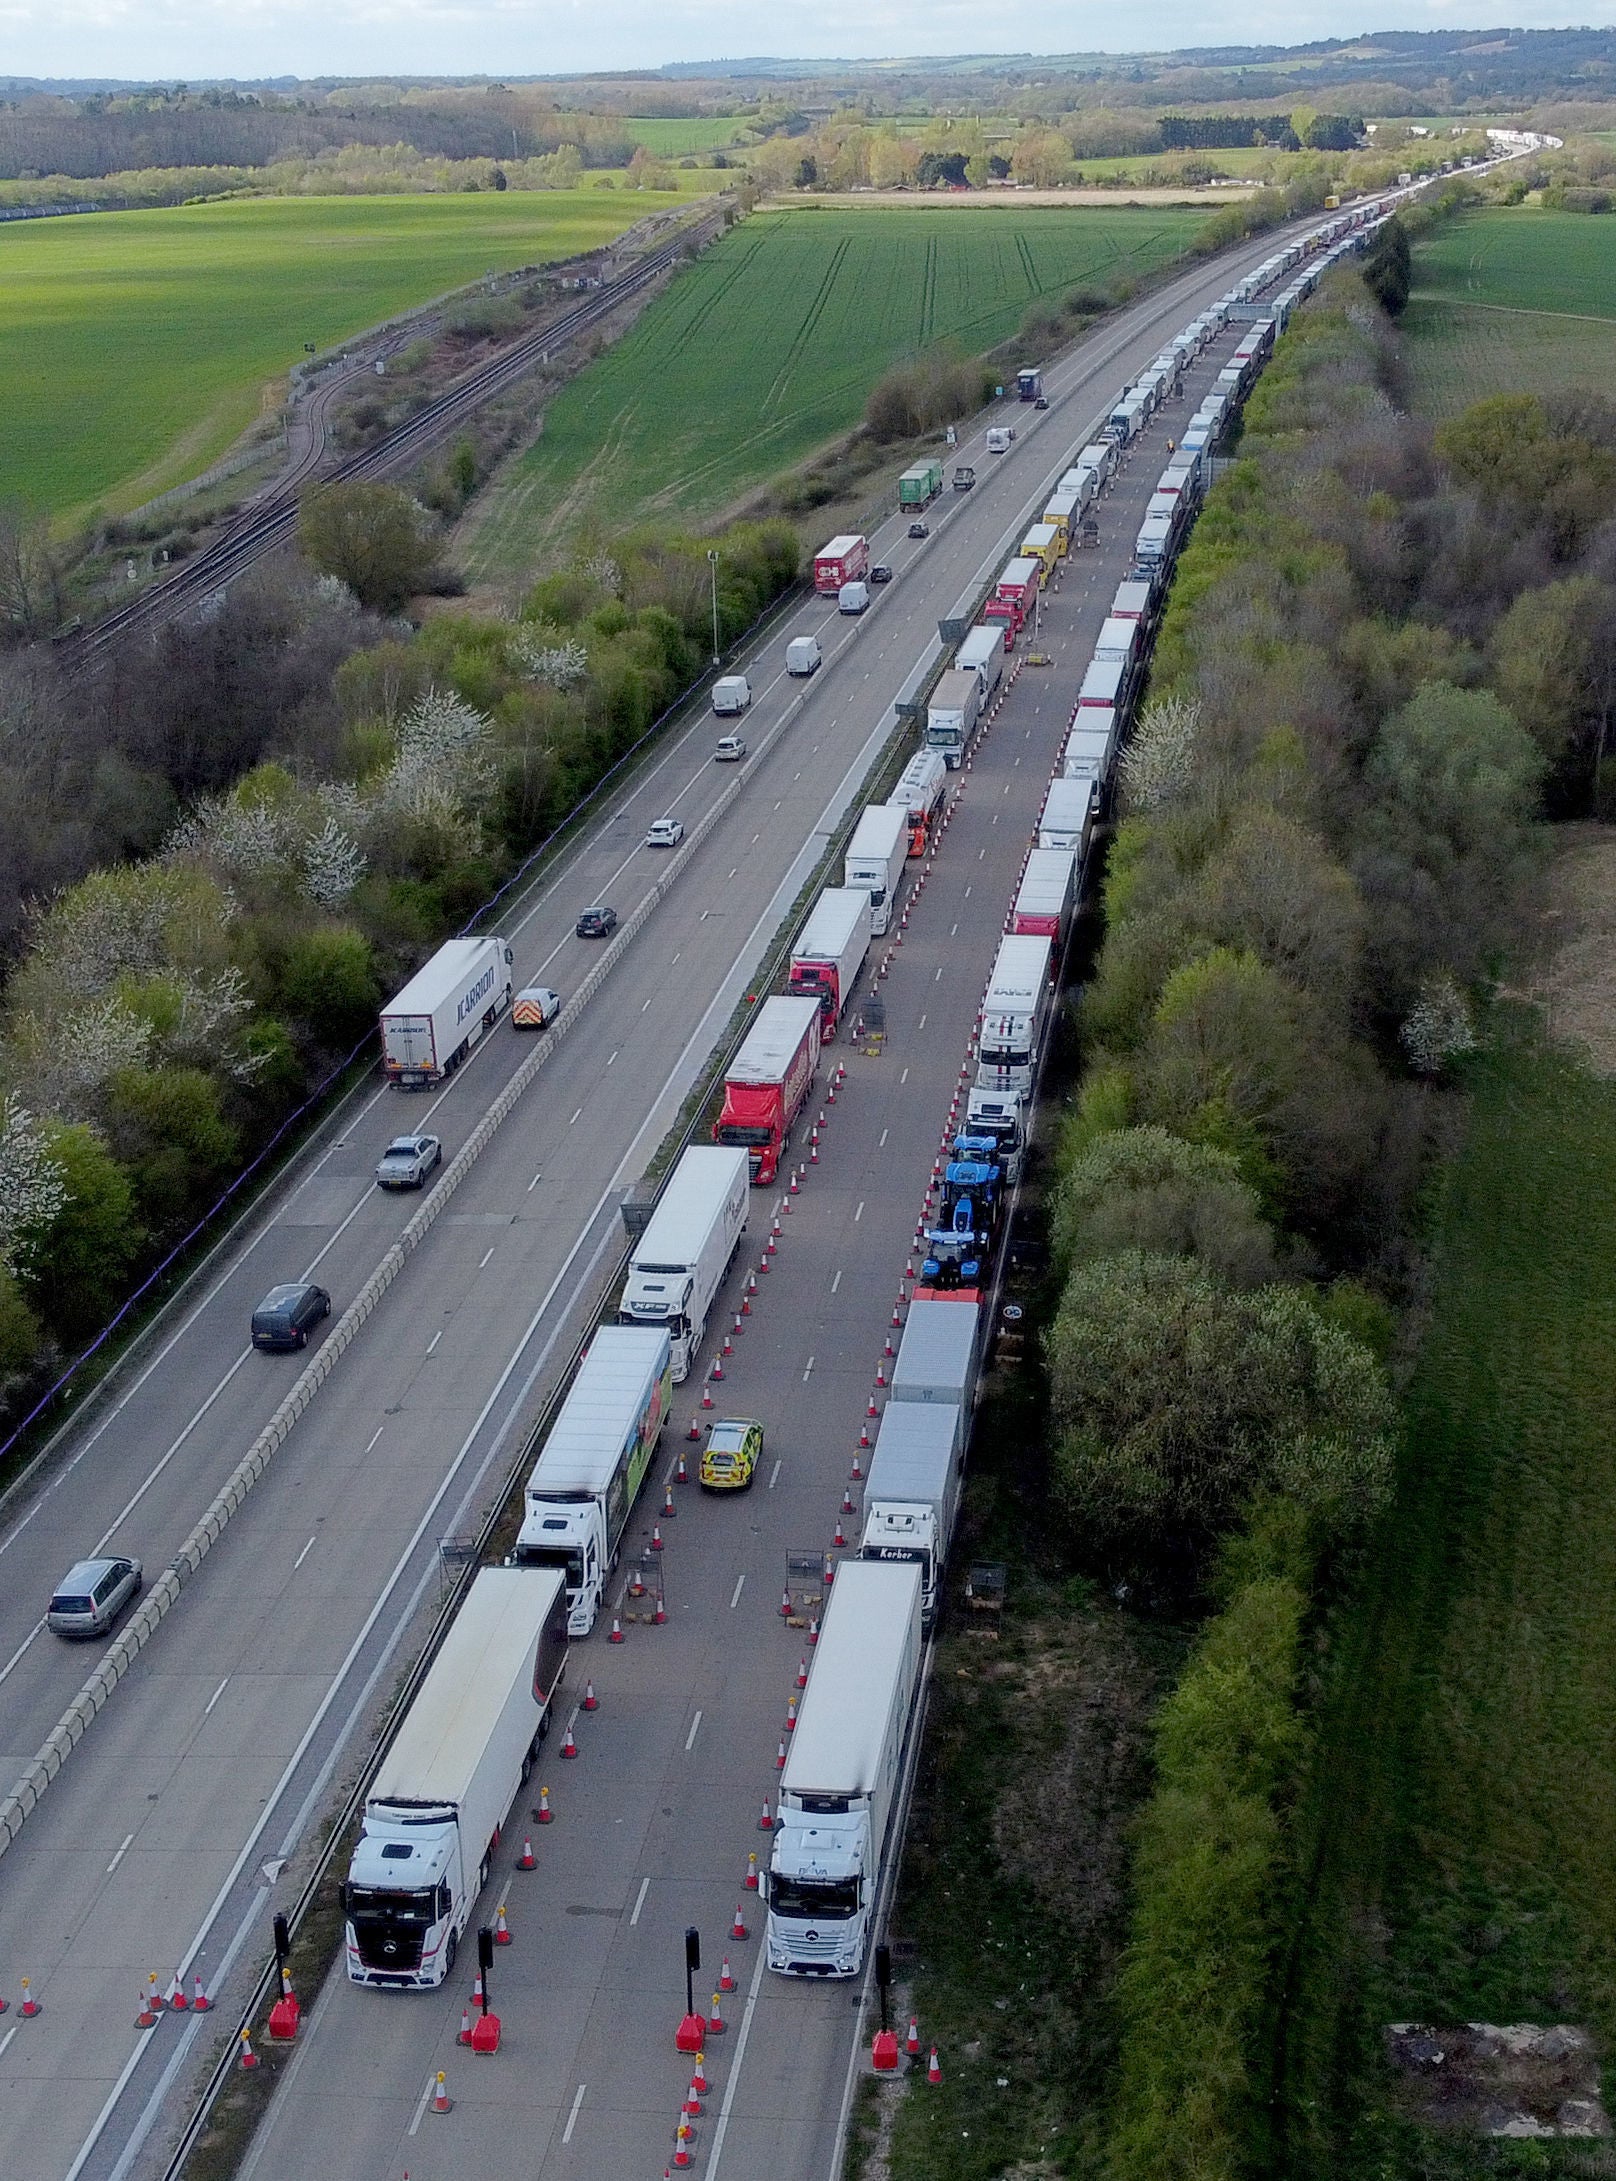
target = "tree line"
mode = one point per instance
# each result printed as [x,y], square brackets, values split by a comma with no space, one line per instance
[1388,652]
[218,855]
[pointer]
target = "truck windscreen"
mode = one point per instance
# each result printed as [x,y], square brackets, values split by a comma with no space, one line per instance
[824,1900]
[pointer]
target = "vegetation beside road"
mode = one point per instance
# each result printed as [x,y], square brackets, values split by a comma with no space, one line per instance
[136,346]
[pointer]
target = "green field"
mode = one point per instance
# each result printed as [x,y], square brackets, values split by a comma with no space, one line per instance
[135,346]
[1511,300]
[674,138]
[770,345]
[1460,1841]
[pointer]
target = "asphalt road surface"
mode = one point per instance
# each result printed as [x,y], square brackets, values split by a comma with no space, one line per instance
[164,1842]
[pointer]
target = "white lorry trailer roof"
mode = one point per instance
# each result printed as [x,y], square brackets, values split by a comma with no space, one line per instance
[774,1037]
[937,1354]
[838,548]
[857,1672]
[914,1450]
[586,1440]
[1046,884]
[697,1191]
[458,1708]
[1020,972]
[833,920]
[880,829]
[437,980]
[978,650]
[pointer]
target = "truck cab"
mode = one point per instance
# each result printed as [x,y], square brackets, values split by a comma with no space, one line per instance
[555,1534]
[406,1898]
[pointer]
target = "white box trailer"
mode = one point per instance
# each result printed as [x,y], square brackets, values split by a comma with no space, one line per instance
[1089,752]
[1043,903]
[446,1785]
[982,654]
[826,960]
[954,708]
[912,1494]
[1133,600]
[939,1354]
[678,1264]
[875,859]
[1104,687]
[1065,819]
[1014,1013]
[1118,639]
[582,1488]
[839,1790]
[430,1027]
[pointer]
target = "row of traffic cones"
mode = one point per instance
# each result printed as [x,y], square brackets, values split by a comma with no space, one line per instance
[154,2003]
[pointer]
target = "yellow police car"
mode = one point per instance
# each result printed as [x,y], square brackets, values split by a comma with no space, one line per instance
[734,1449]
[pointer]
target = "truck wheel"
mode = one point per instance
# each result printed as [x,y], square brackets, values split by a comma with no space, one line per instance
[449,1953]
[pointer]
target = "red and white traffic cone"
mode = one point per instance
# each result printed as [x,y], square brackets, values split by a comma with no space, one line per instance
[176,1994]
[839,1540]
[544,1815]
[441,2100]
[785,1603]
[249,2058]
[656,1537]
[706,1397]
[30,2005]
[464,2036]
[780,1760]
[716,2025]
[737,1931]
[752,1873]
[934,2073]
[591,1700]
[527,1860]
[726,1983]
[802,1673]
[616,1635]
[502,1930]
[694,1433]
[692,2107]
[569,1747]
[911,2043]
[791,1715]
[698,2081]
[670,1506]
[813,1633]
[146,2019]
[200,2002]
[765,1823]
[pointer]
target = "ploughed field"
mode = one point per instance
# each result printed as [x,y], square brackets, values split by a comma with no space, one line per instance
[770,345]
[1511,300]
[135,346]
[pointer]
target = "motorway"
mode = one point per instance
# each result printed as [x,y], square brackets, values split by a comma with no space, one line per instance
[164,1841]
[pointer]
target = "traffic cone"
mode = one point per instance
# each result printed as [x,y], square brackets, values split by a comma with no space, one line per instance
[780,1761]
[802,1673]
[706,1397]
[681,2148]
[934,2073]
[795,1187]
[464,2038]
[716,1374]
[737,1932]
[692,2107]
[872,1410]
[911,2043]
[791,1708]
[813,1633]
[656,1537]
[880,1371]
[591,1700]
[682,1475]
[527,1861]
[200,2002]
[616,1635]
[726,1983]
[442,2102]
[752,1873]
[502,1930]
[544,1814]
[659,1617]
[669,1504]
[149,2004]
[729,1345]
[785,1603]
[477,1991]
[865,1443]
[176,1994]
[698,2081]
[693,1433]
[716,2025]
[829,1576]
[249,2058]
[847,1501]
[765,1823]
[839,1540]
[569,1747]
[30,2005]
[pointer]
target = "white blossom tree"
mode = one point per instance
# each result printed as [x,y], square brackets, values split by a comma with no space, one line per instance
[333,865]
[32,1190]
[1157,764]
[562,664]
[1439,1028]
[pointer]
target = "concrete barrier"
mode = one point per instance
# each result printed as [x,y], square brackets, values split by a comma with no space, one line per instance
[26,1795]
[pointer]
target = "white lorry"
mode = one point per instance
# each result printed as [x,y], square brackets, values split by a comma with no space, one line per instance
[938,1356]
[913,1491]
[679,1262]
[1067,814]
[1014,1014]
[826,960]
[446,1786]
[583,1486]
[1089,751]
[875,859]
[1001,1114]
[839,1791]
[953,709]
[430,1027]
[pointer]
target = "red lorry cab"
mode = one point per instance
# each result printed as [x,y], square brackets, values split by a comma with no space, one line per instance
[768,1082]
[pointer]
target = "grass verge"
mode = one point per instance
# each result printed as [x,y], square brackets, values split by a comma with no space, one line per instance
[1459,1836]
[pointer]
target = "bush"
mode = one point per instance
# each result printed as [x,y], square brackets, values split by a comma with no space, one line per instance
[328,982]
[1143,1189]
[75,1276]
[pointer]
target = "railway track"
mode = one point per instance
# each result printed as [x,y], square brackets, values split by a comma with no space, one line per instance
[271,523]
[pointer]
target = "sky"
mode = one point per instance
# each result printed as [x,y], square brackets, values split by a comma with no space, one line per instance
[195,39]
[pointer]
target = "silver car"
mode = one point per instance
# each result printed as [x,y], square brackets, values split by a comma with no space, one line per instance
[407,1161]
[91,1596]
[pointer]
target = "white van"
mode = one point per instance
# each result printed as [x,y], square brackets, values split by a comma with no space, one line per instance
[852,598]
[1000,437]
[802,655]
[731,693]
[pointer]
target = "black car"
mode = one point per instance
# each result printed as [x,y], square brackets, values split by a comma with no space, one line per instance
[880,573]
[288,1314]
[920,530]
[1042,402]
[598,923]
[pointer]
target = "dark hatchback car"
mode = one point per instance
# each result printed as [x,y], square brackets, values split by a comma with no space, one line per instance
[288,1314]
[597,923]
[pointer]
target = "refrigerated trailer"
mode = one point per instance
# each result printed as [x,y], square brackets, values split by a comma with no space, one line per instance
[875,859]
[430,1027]
[844,559]
[446,1785]
[840,1788]
[955,706]
[919,792]
[912,1495]
[768,1082]
[938,1355]
[1067,814]
[581,1490]
[678,1264]
[1043,904]
[826,960]
[1014,1014]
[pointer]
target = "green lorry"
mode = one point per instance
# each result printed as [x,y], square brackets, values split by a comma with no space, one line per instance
[920,484]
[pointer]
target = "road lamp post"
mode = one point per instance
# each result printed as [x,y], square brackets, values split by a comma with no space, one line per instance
[712,563]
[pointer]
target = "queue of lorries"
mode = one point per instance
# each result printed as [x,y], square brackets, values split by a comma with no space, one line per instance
[447,1783]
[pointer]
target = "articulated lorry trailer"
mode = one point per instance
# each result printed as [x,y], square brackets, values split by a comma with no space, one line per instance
[430,1027]
[769,1080]
[954,708]
[839,1792]
[582,1488]
[1014,1015]
[446,1786]
[679,1262]
[875,859]
[826,960]
[913,1492]
[938,1355]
